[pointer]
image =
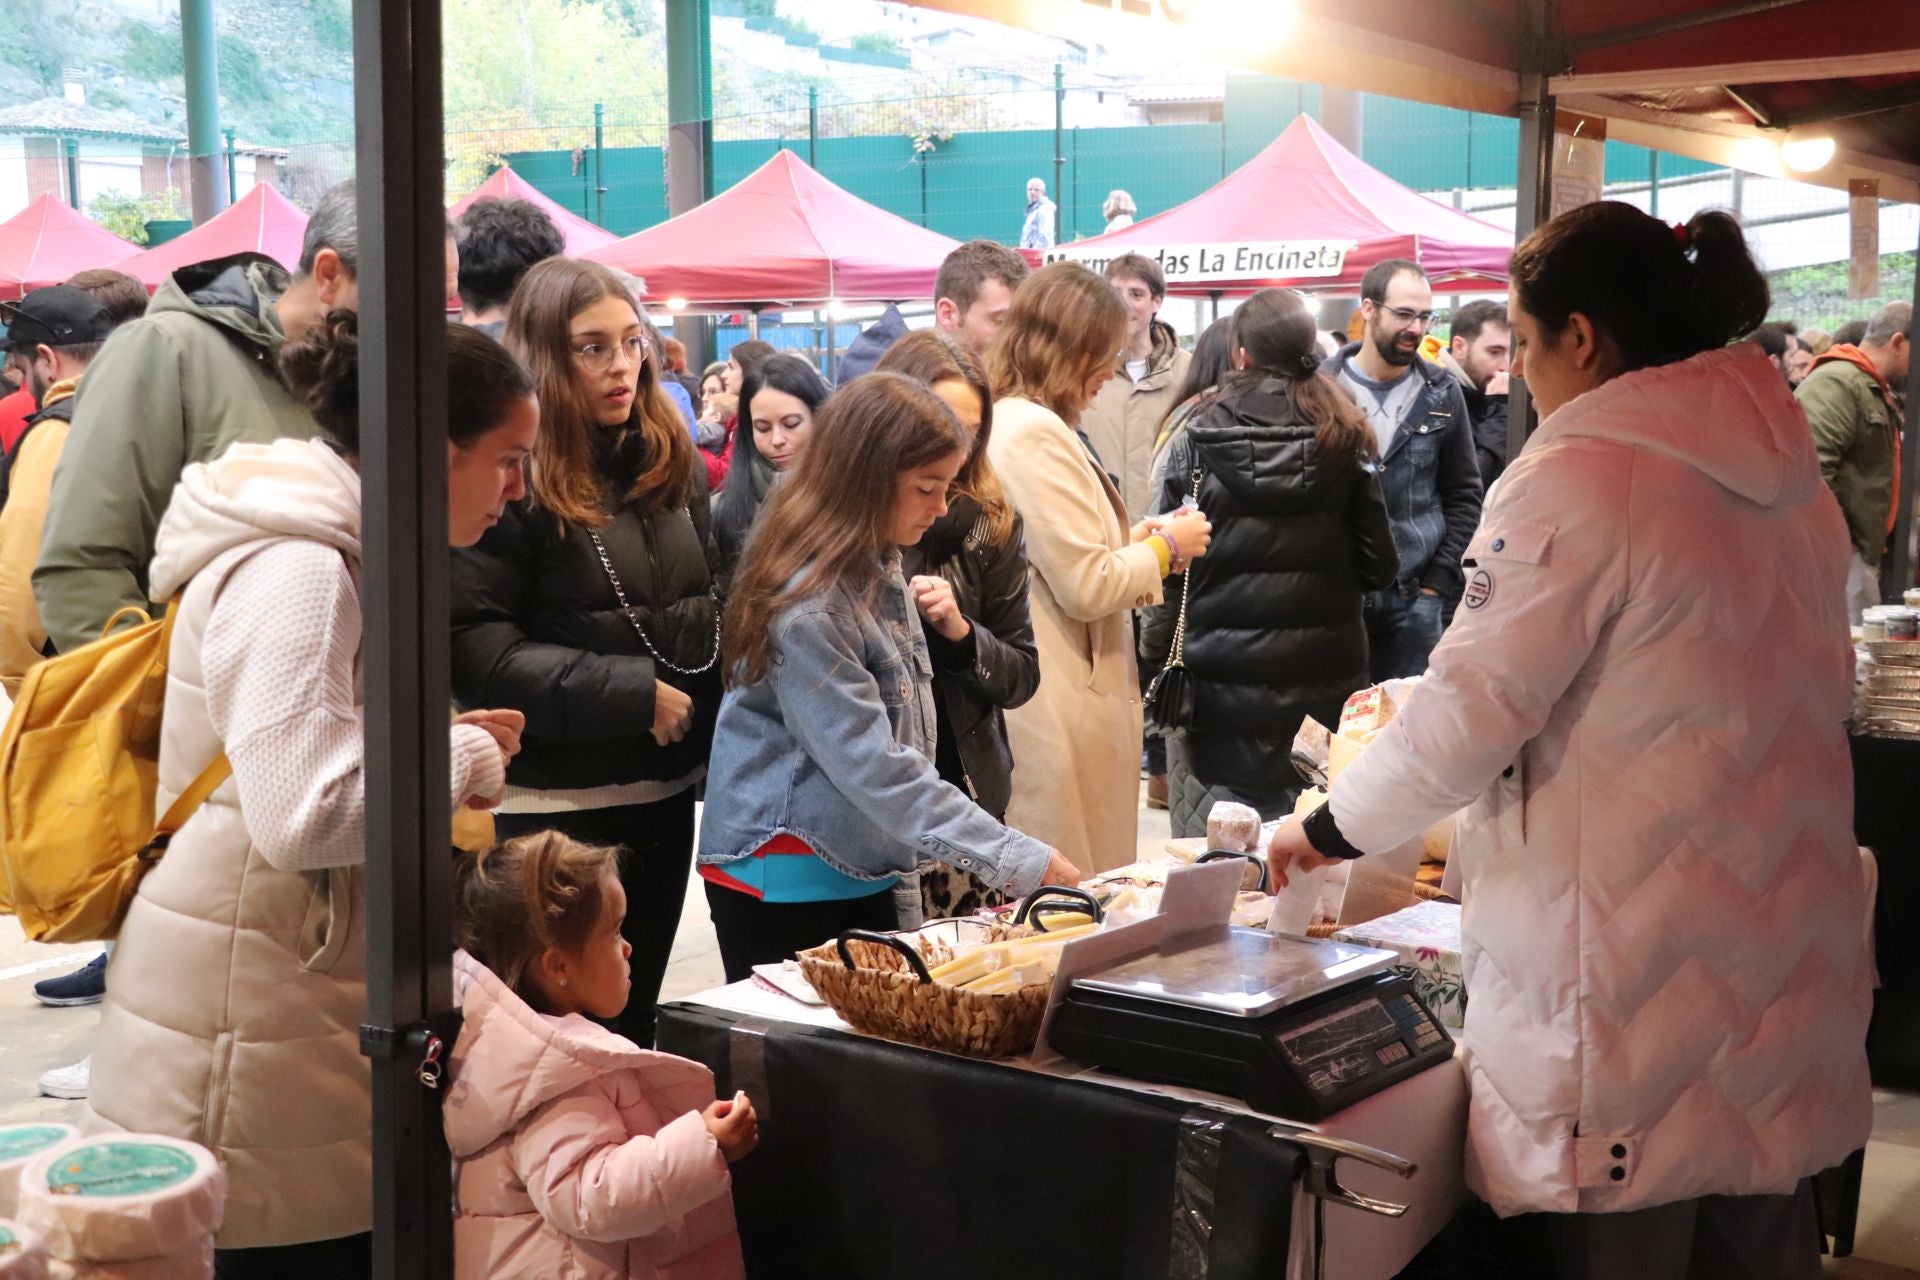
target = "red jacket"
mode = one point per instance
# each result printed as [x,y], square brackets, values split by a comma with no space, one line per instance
[14,412]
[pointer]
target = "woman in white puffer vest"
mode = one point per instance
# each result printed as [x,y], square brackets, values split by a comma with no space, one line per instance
[236,993]
[1641,705]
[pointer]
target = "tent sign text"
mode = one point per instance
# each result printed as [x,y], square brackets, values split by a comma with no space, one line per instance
[1231,260]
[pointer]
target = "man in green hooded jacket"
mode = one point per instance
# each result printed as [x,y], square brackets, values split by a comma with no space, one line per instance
[196,374]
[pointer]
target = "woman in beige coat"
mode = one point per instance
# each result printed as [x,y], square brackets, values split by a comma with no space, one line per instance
[1076,746]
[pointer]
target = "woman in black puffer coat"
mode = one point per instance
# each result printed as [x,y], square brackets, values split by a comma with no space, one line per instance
[590,608]
[1275,630]
[968,576]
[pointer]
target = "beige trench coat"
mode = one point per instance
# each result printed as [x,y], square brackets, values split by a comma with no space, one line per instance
[1076,745]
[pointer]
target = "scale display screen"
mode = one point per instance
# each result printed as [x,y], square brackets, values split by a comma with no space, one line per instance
[1334,1051]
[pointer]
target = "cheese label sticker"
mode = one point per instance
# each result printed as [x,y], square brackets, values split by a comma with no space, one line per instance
[8,1241]
[25,1140]
[119,1169]
[1479,589]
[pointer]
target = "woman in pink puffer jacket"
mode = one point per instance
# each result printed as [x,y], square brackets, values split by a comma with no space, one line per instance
[577,1154]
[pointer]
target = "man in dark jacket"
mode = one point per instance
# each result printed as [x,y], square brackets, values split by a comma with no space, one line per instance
[865,351]
[1481,345]
[1427,468]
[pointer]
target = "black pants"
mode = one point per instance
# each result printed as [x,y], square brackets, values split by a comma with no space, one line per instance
[658,838]
[348,1258]
[753,932]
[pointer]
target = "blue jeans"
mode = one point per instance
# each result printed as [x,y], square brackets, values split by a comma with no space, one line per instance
[1402,629]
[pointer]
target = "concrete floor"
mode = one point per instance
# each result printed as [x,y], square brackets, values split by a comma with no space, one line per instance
[36,1038]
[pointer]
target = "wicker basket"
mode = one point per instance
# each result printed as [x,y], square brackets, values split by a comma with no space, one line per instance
[878,983]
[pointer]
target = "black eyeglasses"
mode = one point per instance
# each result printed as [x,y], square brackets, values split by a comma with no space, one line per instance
[1406,315]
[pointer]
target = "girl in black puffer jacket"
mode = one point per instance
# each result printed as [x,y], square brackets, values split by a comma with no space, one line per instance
[968,577]
[590,608]
[1275,630]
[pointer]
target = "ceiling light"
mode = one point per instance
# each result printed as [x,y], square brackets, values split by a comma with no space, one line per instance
[1807,153]
[676,304]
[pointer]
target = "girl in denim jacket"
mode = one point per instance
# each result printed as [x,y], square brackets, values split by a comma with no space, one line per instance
[822,788]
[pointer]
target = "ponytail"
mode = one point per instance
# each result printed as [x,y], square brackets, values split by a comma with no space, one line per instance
[1661,293]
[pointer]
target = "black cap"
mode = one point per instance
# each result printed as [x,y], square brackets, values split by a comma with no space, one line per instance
[56,316]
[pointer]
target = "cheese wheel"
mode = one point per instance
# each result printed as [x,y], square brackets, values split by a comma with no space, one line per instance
[117,1198]
[22,1257]
[195,1265]
[19,1144]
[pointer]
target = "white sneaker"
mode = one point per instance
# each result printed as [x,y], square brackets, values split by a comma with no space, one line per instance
[68,1082]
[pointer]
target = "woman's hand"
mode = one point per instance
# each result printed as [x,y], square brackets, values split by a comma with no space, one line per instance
[502,725]
[734,1126]
[1191,531]
[1060,871]
[1290,850]
[933,597]
[672,713]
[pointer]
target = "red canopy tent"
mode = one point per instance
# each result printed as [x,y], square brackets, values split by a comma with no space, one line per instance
[47,242]
[783,237]
[582,237]
[1304,213]
[262,221]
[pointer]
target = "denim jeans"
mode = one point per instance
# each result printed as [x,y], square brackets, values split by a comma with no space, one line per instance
[1402,629]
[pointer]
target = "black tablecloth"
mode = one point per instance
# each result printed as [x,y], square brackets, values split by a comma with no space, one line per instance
[1886,819]
[882,1161]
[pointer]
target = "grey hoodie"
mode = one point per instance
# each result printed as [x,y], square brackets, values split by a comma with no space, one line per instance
[194,375]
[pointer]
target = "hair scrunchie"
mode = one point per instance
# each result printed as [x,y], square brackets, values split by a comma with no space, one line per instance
[1682,236]
[1310,363]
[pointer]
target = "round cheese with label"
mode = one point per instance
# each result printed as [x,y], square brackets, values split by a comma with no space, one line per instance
[19,1144]
[22,1256]
[124,1198]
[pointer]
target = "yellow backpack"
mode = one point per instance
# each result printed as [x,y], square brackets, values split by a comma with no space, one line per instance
[79,763]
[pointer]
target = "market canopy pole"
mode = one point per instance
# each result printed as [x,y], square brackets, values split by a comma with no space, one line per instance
[403,287]
[201,66]
[1534,186]
[690,140]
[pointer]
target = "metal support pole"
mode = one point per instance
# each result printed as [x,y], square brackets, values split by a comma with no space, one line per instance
[690,140]
[403,423]
[1214,297]
[202,68]
[1740,193]
[1535,206]
[813,126]
[1905,553]
[233,163]
[599,165]
[73,171]
[753,324]
[833,348]
[1059,150]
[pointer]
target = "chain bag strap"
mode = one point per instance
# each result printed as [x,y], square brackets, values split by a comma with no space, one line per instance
[1169,702]
[633,617]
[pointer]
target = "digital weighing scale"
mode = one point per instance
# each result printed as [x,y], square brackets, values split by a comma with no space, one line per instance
[1296,1027]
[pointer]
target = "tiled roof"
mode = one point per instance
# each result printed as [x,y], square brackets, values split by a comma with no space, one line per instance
[60,116]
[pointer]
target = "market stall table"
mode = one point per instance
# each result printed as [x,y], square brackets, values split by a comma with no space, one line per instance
[885,1160]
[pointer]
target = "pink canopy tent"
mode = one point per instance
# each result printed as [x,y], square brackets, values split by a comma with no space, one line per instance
[782,237]
[47,242]
[262,221]
[581,236]
[1305,213]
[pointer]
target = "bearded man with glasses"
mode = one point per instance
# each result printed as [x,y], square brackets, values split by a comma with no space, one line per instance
[1428,472]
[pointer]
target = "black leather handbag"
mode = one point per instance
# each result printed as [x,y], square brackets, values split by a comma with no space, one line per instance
[1169,698]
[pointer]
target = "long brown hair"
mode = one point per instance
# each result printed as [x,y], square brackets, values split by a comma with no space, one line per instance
[1275,329]
[564,478]
[515,900]
[930,357]
[833,515]
[1066,324]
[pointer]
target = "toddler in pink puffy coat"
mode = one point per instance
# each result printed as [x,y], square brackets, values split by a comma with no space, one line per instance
[577,1153]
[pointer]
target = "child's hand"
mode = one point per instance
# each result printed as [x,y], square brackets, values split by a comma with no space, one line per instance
[733,1125]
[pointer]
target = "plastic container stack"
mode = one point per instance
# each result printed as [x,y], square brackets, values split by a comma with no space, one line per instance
[124,1207]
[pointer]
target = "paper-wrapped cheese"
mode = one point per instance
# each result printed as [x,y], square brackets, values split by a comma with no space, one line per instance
[126,1205]
[1233,826]
[22,1257]
[19,1144]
